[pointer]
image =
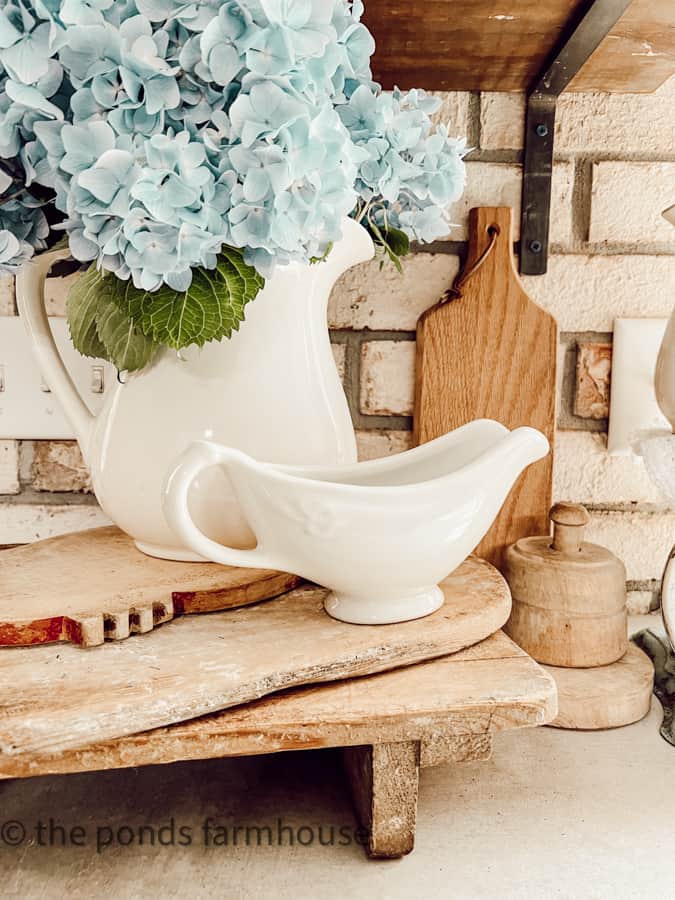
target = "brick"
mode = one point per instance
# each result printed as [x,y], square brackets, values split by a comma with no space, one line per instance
[627,200]
[454,111]
[594,369]
[586,293]
[9,467]
[641,540]
[26,453]
[376,444]
[387,378]
[7,306]
[22,523]
[588,123]
[500,184]
[370,297]
[56,294]
[586,473]
[639,603]
[502,120]
[340,356]
[58,466]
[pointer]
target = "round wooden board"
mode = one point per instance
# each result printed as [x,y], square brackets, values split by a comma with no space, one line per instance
[95,586]
[605,696]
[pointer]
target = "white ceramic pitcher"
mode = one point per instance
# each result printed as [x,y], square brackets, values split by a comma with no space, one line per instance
[272,390]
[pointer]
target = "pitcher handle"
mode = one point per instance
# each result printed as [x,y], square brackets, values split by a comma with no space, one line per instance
[30,285]
[202,455]
[668,598]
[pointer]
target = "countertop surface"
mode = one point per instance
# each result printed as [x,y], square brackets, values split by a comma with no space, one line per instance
[553,814]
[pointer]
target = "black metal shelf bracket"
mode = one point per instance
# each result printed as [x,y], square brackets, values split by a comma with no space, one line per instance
[576,46]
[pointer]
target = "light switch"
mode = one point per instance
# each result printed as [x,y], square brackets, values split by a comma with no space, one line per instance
[633,410]
[28,409]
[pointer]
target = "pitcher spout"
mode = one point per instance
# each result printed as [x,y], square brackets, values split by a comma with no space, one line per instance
[354,247]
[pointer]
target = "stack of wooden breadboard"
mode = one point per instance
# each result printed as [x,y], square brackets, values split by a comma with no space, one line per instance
[106,665]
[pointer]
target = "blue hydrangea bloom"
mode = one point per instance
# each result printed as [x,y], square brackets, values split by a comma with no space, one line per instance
[413,171]
[163,130]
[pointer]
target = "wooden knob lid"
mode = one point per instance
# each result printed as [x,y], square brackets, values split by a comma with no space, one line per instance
[569,522]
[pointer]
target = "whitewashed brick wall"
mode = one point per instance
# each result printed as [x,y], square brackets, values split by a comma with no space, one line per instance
[612,255]
[645,189]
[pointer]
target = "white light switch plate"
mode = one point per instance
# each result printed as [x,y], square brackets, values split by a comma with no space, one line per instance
[27,410]
[633,408]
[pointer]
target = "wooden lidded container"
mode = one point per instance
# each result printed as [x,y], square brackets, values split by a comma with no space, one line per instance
[569,596]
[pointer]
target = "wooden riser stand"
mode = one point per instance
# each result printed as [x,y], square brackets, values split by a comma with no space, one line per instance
[389,725]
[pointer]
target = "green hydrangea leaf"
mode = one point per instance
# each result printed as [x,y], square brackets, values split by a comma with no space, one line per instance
[82,306]
[393,242]
[98,327]
[397,242]
[211,308]
[127,347]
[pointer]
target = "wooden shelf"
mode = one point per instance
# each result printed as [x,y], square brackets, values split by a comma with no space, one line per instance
[485,45]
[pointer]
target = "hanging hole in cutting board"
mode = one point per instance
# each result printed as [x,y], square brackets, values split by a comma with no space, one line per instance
[455,292]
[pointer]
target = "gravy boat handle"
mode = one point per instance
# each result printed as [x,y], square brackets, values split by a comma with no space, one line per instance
[202,455]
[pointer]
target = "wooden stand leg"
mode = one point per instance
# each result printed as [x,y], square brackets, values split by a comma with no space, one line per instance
[384,781]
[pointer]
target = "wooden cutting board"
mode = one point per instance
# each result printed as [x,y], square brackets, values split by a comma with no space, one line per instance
[201,664]
[95,585]
[491,353]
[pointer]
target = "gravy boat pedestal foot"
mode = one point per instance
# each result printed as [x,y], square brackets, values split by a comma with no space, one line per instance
[369,609]
[380,535]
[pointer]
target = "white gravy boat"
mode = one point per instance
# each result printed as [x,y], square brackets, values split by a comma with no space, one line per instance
[380,535]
